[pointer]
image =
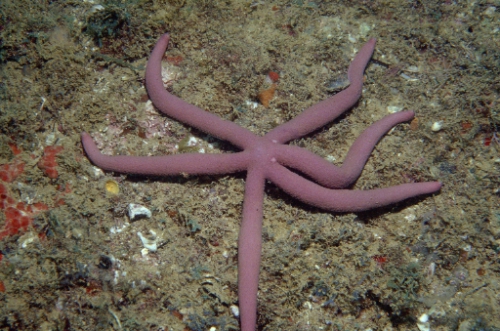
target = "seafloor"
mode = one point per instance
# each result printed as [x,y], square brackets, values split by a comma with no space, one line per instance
[77,262]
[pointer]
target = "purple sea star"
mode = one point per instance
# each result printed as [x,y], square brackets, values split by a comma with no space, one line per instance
[268,158]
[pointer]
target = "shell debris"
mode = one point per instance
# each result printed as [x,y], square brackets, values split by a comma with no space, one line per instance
[437,126]
[151,244]
[112,187]
[136,211]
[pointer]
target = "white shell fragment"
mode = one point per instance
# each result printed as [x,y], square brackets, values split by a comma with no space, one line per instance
[423,323]
[307,305]
[136,212]
[408,78]
[149,243]
[394,109]
[437,126]
[235,310]
[118,228]
[96,8]
[27,239]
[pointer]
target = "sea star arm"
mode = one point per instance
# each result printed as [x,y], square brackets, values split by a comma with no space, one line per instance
[249,248]
[327,110]
[193,163]
[325,173]
[344,200]
[312,165]
[184,112]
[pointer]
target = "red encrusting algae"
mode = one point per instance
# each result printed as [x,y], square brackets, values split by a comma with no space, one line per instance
[18,215]
[273,76]
[15,150]
[9,172]
[48,162]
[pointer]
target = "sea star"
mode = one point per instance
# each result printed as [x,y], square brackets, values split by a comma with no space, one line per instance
[268,158]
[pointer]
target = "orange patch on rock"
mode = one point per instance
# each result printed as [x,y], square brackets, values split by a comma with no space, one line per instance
[174,59]
[266,96]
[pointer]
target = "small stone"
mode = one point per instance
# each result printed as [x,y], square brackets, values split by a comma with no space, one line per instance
[136,211]
[97,172]
[77,233]
[490,11]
